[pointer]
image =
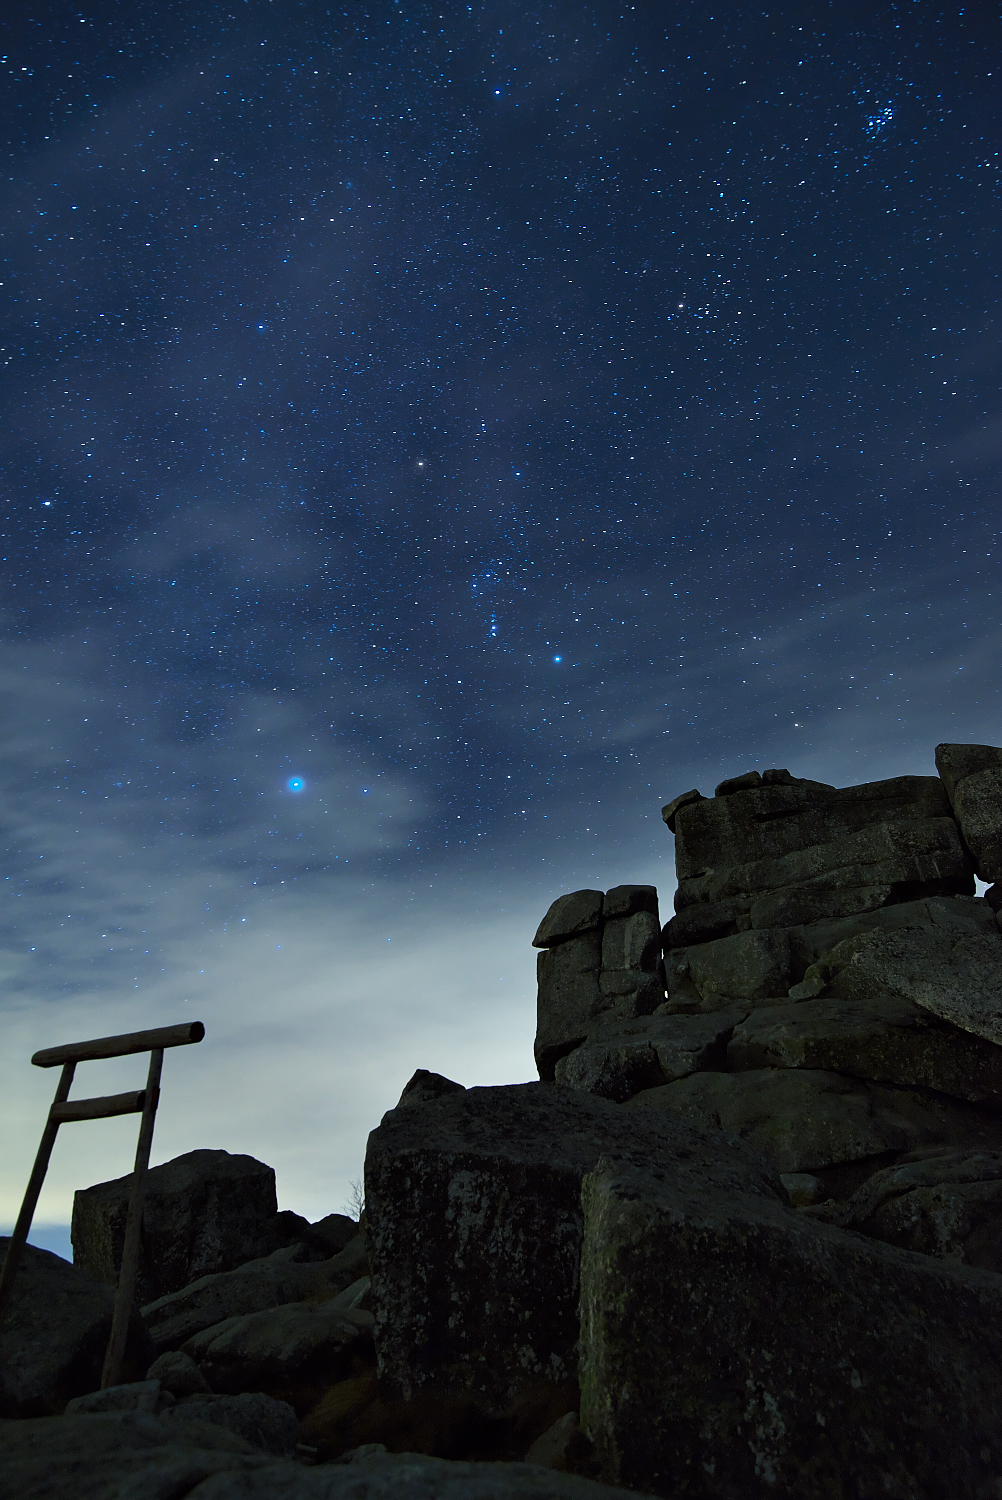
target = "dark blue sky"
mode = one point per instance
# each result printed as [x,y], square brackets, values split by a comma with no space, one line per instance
[433,438]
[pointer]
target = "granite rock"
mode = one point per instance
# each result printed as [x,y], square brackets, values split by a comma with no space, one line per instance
[882,1038]
[475,1230]
[942,1203]
[972,775]
[780,1356]
[956,976]
[255,1287]
[569,916]
[203,1212]
[620,1058]
[53,1335]
[289,1352]
[805,1119]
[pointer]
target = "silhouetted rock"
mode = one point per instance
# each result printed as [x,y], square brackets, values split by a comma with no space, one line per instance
[972,775]
[53,1335]
[423,1086]
[203,1212]
[602,959]
[757,1211]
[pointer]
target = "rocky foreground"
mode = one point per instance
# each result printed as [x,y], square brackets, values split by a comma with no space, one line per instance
[742,1239]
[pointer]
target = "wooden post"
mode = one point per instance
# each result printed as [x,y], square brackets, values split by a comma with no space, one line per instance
[27,1213]
[125,1293]
[60,1113]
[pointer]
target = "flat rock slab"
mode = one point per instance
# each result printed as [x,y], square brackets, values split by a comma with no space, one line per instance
[619,1059]
[568,916]
[805,1119]
[289,1352]
[957,977]
[121,1458]
[882,1038]
[260,1284]
[926,855]
[474,1224]
[947,1204]
[770,822]
[734,1349]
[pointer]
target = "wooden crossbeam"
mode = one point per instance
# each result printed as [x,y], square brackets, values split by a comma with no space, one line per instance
[120,1046]
[98,1109]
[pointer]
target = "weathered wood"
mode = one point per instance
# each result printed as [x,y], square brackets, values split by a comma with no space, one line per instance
[120,1046]
[111,1373]
[24,1218]
[60,1112]
[99,1108]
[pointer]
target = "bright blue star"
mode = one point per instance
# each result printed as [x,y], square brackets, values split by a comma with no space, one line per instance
[296,784]
[558,658]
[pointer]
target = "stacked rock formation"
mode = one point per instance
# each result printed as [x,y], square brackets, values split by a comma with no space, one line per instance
[831,983]
[742,1239]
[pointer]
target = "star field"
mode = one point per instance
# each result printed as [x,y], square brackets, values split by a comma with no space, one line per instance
[435,436]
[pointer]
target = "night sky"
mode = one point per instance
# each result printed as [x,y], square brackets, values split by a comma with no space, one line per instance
[433,436]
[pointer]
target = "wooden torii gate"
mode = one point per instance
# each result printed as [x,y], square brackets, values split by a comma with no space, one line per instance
[61,1112]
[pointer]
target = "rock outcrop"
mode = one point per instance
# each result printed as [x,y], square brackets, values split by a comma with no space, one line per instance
[832,984]
[204,1212]
[742,1239]
[53,1335]
[601,957]
[490,1179]
[779,1356]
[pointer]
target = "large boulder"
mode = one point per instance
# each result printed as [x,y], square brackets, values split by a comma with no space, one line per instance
[756,821]
[474,1222]
[203,1212]
[807,1119]
[972,775]
[265,1423]
[751,966]
[157,1458]
[53,1335]
[731,1348]
[955,975]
